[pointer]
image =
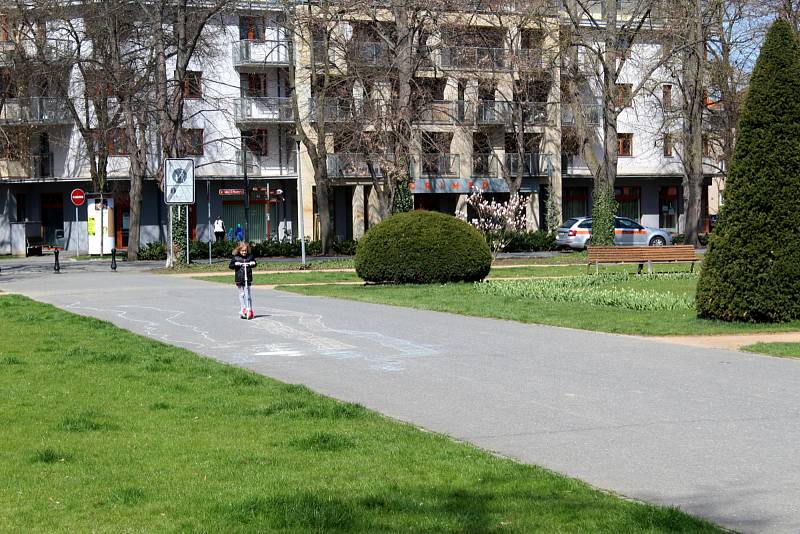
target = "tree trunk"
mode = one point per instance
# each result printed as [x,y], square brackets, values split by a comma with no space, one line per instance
[323,194]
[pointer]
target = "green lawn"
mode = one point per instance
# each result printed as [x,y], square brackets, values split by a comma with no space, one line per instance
[300,277]
[107,431]
[783,350]
[264,264]
[466,300]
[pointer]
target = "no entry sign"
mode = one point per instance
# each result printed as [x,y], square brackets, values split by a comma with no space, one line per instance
[78,197]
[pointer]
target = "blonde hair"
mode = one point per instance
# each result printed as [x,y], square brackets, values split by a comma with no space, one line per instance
[242,245]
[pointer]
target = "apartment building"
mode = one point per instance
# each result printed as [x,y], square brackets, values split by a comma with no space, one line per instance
[488,107]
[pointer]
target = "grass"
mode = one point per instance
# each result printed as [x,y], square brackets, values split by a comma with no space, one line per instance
[198,266]
[107,431]
[300,277]
[782,350]
[464,299]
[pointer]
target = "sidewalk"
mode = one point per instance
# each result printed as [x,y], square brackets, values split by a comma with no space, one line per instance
[710,431]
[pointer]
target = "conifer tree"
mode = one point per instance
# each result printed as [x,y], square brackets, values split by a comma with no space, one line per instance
[752,269]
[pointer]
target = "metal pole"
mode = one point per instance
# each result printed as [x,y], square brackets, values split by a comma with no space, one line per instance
[102,236]
[76,233]
[188,260]
[300,210]
[246,193]
[210,232]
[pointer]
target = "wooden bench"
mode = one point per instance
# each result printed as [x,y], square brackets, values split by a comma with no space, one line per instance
[640,255]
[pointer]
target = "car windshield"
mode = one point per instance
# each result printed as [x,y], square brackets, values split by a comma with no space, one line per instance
[585,224]
[569,223]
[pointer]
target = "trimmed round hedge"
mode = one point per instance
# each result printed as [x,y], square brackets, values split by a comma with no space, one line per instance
[423,247]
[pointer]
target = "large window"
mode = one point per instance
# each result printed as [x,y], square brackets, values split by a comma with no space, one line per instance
[622,98]
[667,145]
[628,200]
[576,202]
[668,207]
[666,97]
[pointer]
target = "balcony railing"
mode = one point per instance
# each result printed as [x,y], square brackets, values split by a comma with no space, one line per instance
[263,109]
[439,165]
[473,58]
[442,112]
[366,53]
[258,165]
[503,112]
[593,114]
[531,164]
[339,109]
[34,110]
[352,165]
[29,166]
[254,52]
[484,165]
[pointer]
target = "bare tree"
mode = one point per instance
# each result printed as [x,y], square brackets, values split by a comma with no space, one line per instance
[599,42]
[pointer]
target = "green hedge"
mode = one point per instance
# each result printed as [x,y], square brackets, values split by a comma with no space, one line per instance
[422,247]
[537,241]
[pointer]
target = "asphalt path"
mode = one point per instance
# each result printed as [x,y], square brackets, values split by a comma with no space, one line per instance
[710,431]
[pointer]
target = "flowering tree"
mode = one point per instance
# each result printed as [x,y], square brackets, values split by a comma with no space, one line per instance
[497,221]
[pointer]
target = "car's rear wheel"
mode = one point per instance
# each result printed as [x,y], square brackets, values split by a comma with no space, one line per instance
[658,241]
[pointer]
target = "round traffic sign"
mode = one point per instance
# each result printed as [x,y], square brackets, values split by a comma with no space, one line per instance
[78,197]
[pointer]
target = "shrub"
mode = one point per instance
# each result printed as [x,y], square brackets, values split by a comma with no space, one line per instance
[752,269]
[422,247]
[153,251]
[537,241]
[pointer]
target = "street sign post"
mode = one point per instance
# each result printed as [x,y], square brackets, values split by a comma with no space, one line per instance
[178,181]
[179,188]
[78,198]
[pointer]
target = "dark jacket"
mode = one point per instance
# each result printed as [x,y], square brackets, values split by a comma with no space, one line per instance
[240,269]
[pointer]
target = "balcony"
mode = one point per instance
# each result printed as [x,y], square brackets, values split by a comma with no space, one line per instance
[353,165]
[442,112]
[484,166]
[437,165]
[34,110]
[253,53]
[35,166]
[263,110]
[473,58]
[593,114]
[338,109]
[531,164]
[259,165]
[369,54]
[502,112]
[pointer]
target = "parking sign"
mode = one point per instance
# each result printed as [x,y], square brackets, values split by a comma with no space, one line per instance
[179,181]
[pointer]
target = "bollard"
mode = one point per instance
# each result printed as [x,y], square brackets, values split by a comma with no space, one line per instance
[113,259]
[56,266]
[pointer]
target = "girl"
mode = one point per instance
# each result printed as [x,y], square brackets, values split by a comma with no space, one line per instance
[243,261]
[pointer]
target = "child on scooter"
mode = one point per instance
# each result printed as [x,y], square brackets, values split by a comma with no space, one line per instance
[243,262]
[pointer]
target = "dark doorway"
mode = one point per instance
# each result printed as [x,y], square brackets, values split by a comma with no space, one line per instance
[52,216]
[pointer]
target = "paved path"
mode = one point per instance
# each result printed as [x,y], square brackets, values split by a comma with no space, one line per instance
[711,431]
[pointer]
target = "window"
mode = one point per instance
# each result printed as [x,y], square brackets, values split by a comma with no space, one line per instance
[576,201]
[668,207]
[193,84]
[625,144]
[97,84]
[667,145]
[8,84]
[192,142]
[628,200]
[666,97]
[6,33]
[624,92]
